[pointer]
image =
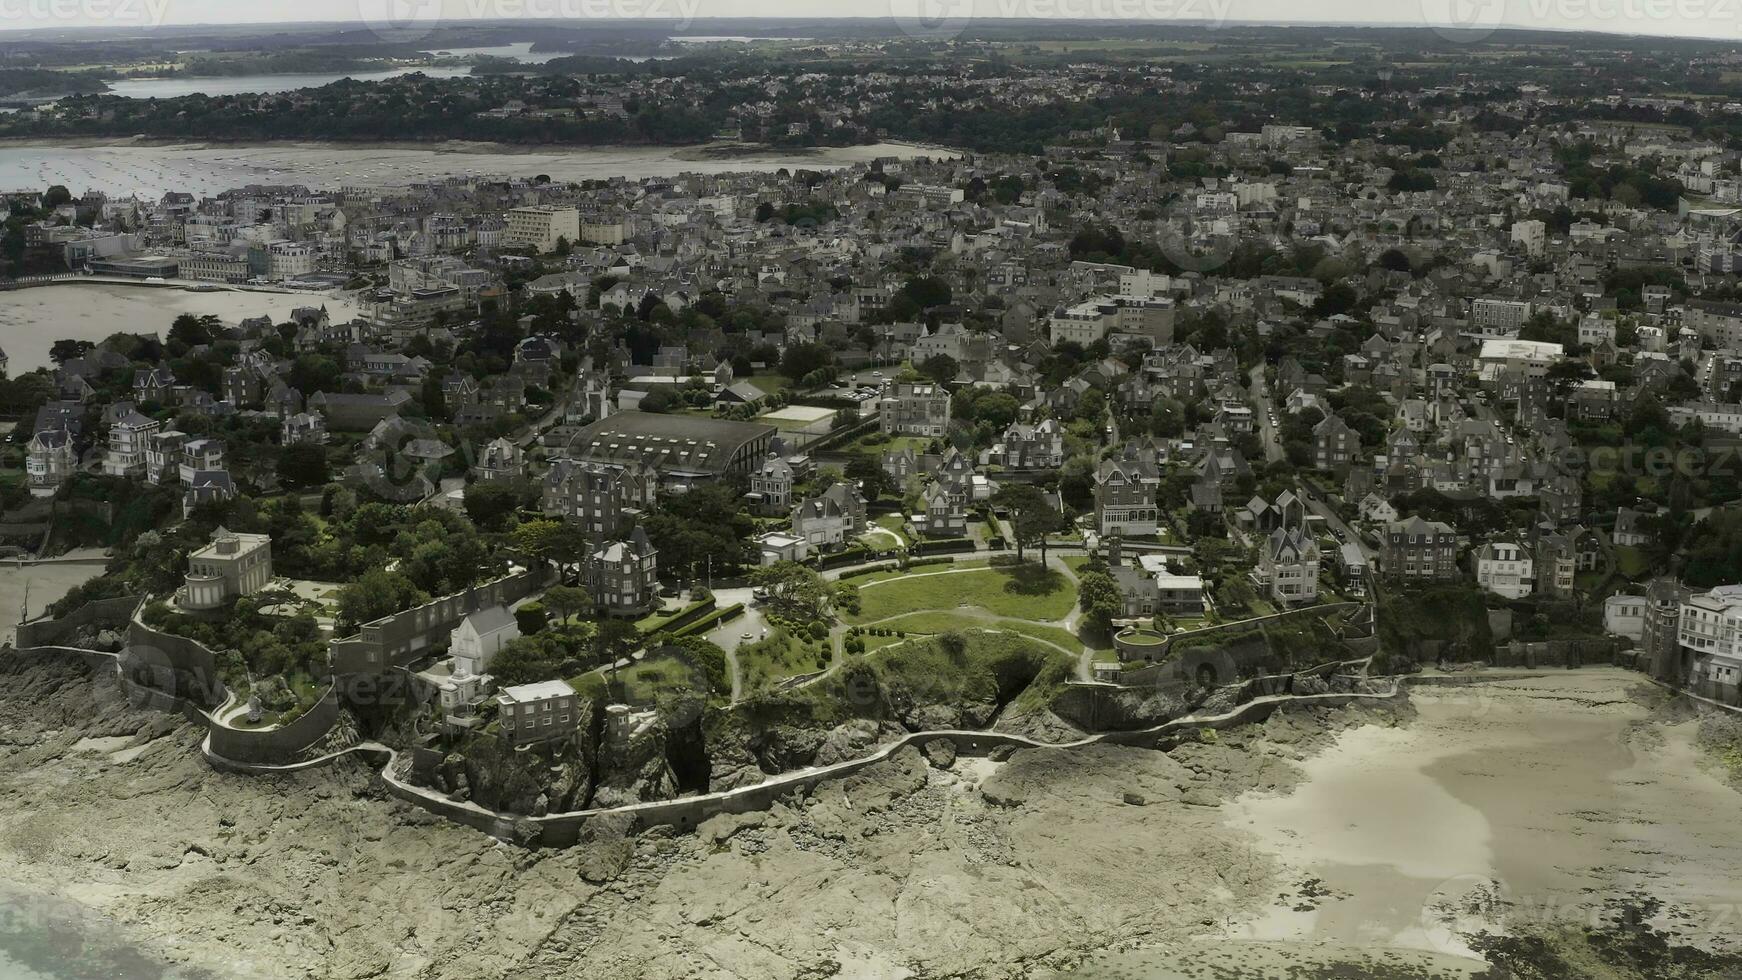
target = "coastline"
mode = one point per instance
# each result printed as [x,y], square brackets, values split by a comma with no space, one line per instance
[963,866]
[715,150]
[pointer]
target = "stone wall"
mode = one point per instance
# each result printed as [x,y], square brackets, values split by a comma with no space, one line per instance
[399,639]
[1575,652]
[281,744]
[113,614]
[176,665]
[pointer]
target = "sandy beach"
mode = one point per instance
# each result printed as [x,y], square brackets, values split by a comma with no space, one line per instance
[1505,805]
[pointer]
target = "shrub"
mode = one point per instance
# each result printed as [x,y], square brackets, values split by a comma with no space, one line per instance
[531,618]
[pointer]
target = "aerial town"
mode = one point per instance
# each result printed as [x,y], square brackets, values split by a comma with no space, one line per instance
[665,499]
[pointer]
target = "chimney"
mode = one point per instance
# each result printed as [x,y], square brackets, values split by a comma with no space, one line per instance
[1115,551]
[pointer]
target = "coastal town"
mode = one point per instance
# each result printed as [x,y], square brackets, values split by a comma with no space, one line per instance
[658,499]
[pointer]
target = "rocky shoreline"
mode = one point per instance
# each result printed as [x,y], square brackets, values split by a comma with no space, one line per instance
[915,867]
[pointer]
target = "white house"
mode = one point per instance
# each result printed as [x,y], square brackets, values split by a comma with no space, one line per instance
[1624,615]
[479,636]
[1505,569]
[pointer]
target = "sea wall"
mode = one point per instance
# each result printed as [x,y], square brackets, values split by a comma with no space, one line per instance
[102,613]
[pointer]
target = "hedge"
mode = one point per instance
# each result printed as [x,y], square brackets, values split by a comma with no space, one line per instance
[712,620]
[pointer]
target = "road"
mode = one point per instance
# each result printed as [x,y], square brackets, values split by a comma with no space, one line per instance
[1262,407]
[1315,501]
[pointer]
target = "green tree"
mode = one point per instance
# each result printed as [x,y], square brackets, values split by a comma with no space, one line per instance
[303,465]
[567,601]
[375,594]
[1101,601]
[793,591]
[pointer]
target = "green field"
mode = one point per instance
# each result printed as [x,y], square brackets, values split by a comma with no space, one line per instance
[1028,591]
[947,622]
[767,662]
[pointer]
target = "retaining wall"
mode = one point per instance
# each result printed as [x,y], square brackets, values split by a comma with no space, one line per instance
[113,613]
[399,639]
[277,744]
[174,664]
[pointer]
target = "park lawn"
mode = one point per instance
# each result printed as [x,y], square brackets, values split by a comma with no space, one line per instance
[1029,591]
[1077,563]
[767,662]
[875,643]
[949,622]
[648,680]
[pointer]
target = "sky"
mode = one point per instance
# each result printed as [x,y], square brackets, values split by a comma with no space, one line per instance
[1719,19]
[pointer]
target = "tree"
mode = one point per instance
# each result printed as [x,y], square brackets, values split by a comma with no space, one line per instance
[558,542]
[941,368]
[192,331]
[614,640]
[489,503]
[1032,518]
[867,471]
[1101,601]
[377,593]
[63,351]
[303,465]
[567,600]
[800,360]
[531,618]
[792,591]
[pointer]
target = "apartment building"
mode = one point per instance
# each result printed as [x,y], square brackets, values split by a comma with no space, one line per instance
[540,226]
[1418,550]
[914,409]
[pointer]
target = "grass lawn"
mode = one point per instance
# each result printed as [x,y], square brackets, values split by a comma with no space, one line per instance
[654,620]
[766,662]
[873,643]
[1077,563]
[883,539]
[646,681]
[768,382]
[947,622]
[894,444]
[1631,561]
[1030,591]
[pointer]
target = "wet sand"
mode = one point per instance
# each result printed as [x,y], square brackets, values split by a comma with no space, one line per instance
[1507,804]
[150,168]
[31,320]
[46,584]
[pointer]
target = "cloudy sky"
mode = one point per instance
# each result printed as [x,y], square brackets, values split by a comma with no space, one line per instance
[1688,18]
